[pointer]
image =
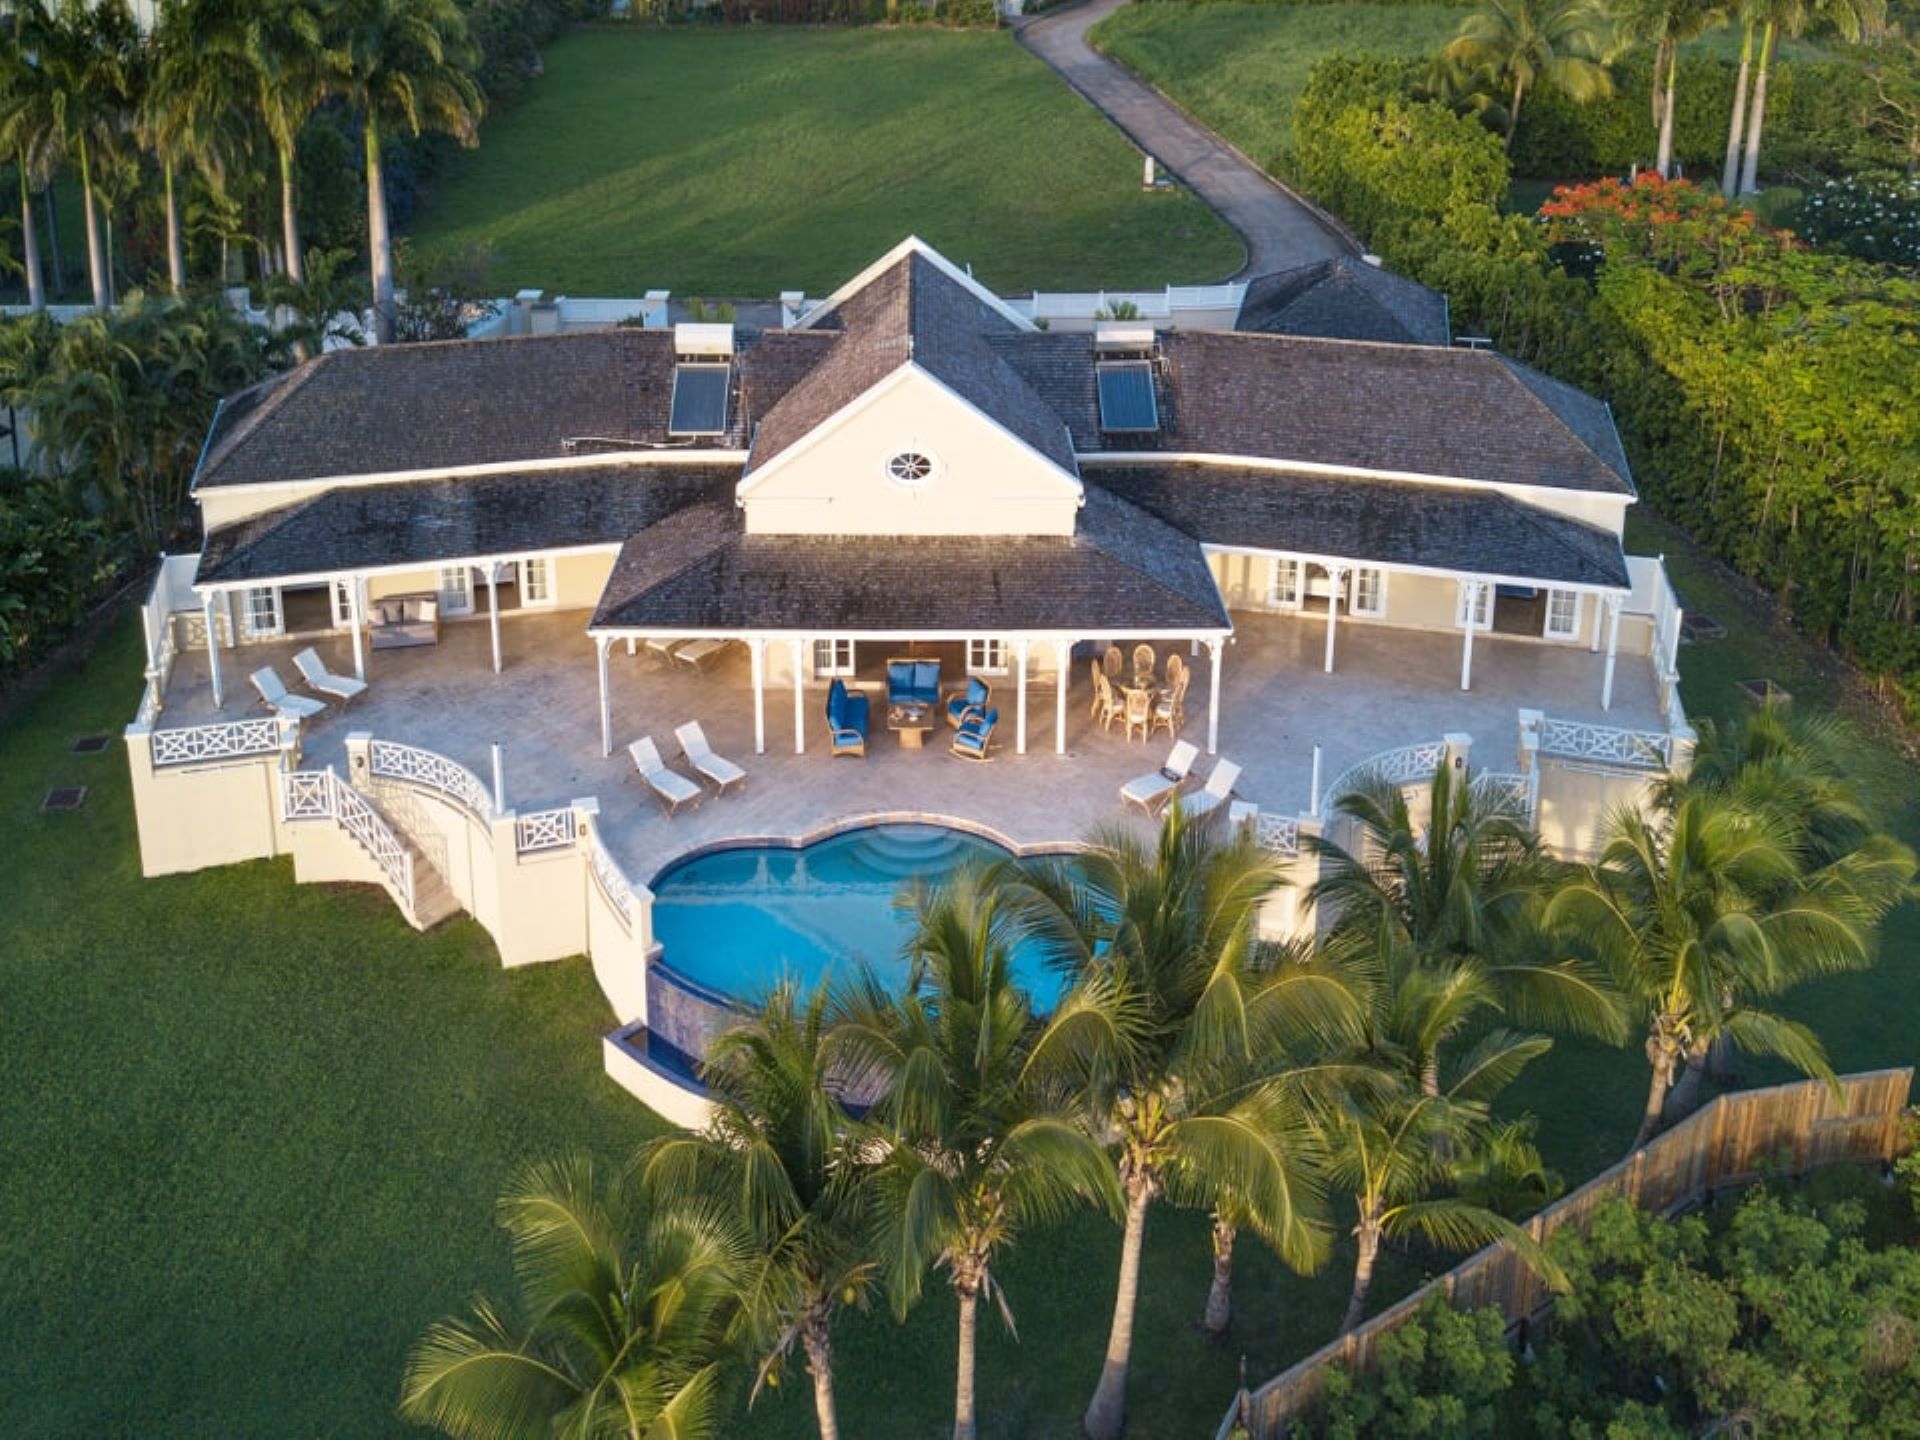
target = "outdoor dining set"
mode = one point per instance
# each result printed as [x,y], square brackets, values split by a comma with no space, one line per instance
[1136,696]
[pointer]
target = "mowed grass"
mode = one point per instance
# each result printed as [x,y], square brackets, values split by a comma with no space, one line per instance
[251,1133]
[745,162]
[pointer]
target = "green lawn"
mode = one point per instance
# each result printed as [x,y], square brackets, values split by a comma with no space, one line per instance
[252,1133]
[744,162]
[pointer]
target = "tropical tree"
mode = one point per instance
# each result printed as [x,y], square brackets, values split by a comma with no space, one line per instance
[88,51]
[30,125]
[1752,16]
[405,64]
[1520,45]
[625,1327]
[975,1147]
[1171,1017]
[1848,18]
[188,117]
[778,1153]
[1704,910]
[1665,25]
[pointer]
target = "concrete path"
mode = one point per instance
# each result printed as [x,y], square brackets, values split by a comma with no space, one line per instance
[1279,229]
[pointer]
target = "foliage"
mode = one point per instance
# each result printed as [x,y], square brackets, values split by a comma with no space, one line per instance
[1441,1375]
[1871,217]
[1509,50]
[445,293]
[55,562]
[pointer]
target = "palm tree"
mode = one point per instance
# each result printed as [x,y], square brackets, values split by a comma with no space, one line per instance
[1666,25]
[185,99]
[626,1323]
[778,1151]
[1850,18]
[88,52]
[30,129]
[1171,1016]
[975,1147]
[1706,909]
[406,63]
[1751,15]
[1521,44]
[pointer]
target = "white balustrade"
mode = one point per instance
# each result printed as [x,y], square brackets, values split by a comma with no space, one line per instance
[1505,791]
[1577,740]
[1407,764]
[1278,833]
[612,881]
[195,744]
[322,795]
[409,764]
[545,830]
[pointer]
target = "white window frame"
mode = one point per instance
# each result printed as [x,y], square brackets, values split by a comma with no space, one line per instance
[1571,630]
[838,652]
[1286,589]
[986,655]
[1482,607]
[535,593]
[342,594]
[1375,608]
[261,612]
[454,586]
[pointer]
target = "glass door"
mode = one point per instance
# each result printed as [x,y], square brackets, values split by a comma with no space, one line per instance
[456,590]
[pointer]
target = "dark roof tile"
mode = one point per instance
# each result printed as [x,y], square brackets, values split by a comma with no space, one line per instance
[1345,298]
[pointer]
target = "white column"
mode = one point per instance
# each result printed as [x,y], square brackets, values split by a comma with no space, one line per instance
[757,647]
[1063,656]
[493,611]
[213,647]
[606,698]
[1216,647]
[499,780]
[1020,712]
[1336,587]
[1613,645]
[357,613]
[798,647]
[1470,609]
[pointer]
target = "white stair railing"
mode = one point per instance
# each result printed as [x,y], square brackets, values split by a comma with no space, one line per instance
[322,795]
[411,765]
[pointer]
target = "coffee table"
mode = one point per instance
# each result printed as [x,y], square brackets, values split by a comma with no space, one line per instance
[911,723]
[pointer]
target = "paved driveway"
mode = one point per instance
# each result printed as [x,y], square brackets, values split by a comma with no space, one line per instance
[1280,231]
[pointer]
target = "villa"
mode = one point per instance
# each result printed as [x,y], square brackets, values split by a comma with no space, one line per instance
[523,558]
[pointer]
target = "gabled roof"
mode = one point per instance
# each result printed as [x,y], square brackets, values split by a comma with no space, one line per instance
[1458,528]
[426,522]
[1345,298]
[912,312]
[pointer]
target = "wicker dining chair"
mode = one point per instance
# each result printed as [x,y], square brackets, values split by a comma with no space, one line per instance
[1111,662]
[1139,712]
[1098,675]
[1176,667]
[1142,660]
[1110,706]
[1170,706]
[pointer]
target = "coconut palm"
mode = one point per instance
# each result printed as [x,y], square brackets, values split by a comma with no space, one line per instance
[1704,910]
[404,64]
[187,118]
[1519,45]
[30,129]
[88,52]
[1171,1016]
[973,1147]
[777,1150]
[625,1328]
[1848,18]
[1665,25]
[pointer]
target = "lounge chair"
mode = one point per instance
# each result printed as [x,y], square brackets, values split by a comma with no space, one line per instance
[970,741]
[697,652]
[661,647]
[963,703]
[673,788]
[1219,788]
[1150,790]
[277,698]
[314,671]
[846,720]
[716,768]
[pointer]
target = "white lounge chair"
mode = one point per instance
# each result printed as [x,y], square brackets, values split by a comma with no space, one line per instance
[697,652]
[1219,787]
[673,788]
[314,671]
[277,698]
[662,647]
[1151,790]
[721,771]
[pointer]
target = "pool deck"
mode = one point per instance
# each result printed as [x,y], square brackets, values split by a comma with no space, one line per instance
[1392,687]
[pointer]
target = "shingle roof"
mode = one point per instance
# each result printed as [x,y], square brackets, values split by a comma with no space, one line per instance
[479,402]
[428,521]
[1124,570]
[913,312]
[1477,532]
[1415,409]
[1345,298]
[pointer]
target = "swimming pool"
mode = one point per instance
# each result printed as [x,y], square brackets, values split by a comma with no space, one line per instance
[735,921]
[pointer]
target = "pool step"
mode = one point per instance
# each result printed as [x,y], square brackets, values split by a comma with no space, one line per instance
[906,852]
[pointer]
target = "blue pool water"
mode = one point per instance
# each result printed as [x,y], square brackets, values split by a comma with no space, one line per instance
[736,921]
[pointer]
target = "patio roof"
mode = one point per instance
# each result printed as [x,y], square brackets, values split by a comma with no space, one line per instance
[1124,571]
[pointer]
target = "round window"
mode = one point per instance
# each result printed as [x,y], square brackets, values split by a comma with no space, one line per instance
[911,468]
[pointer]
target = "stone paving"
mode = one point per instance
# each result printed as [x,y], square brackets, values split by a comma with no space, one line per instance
[1391,688]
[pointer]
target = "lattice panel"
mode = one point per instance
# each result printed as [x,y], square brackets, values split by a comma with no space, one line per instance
[192,745]
[414,766]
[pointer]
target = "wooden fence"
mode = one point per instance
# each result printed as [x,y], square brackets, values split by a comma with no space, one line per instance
[1788,1128]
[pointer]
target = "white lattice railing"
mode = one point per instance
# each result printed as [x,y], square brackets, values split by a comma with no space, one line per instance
[390,760]
[322,795]
[612,881]
[545,830]
[1396,767]
[1278,833]
[1605,744]
[1507,791]
[195,744]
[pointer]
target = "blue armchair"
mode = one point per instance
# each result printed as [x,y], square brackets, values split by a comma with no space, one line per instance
[913,682]
[975,733]
[973,699]
[846,720]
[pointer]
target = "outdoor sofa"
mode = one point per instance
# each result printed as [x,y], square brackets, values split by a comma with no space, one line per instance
[402,620]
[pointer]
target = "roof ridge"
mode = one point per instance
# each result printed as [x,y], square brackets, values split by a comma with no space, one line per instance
[1534,516]
[287,384]
[1510,368]
[1138,515]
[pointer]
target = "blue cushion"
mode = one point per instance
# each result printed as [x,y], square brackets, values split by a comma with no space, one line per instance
[853,712]
[926,681]
[978,691]
[836,701]
[899,681]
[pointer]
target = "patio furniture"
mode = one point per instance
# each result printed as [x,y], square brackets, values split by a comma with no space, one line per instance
[1139,709]
[1219,789]
[399,621]
[964,702]
[1143,662]
[1093,667]
[277,698]
[1151,790]
[697,652]
[913,681]
[661,647]
[1170,706]
[721,771]
[673,788]
[846,720]
[314,671]
[1111,662]
[911,722]
[1107,707]
[970,741]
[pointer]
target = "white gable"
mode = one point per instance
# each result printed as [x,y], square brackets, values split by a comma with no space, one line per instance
[914,245]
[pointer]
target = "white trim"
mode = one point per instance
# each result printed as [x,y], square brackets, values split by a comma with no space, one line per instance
[1351,563]
[409,567]
[1378,609]
[1572,632]
[457,601]
[550,596]
[668,455]
[277,605]
[834,670]
[988,670]
[621,632]
[1482,590]
[914,245]
[1313,467]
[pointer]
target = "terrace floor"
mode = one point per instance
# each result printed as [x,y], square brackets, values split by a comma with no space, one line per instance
[1392,687]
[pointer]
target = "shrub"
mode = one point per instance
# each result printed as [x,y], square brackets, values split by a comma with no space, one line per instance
[1871,217]
[55,563]
[1441,1375]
